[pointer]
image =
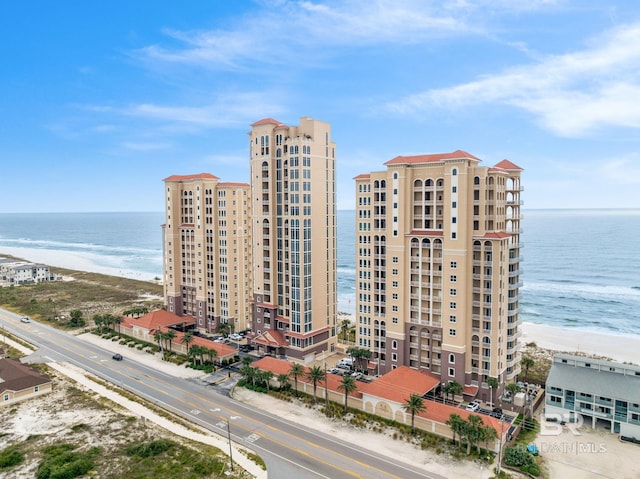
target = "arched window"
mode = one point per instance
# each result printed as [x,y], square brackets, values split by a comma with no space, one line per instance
[454,172]
[476,180]
[452,358]
[394,344]
[395,176]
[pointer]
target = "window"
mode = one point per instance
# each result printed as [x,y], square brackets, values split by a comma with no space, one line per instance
[454,235]
[454,204]
[394,357]
[452,318]
[452,305]
[394,284]
[394,272]
[453,278]
[36,389]
[454,189]
[395,308]
[452,358]
[394,295]
[394,320]
[452,373]
[453,291]
[395,259]
[453,265]
[394,344]
[452,332]
[6,397]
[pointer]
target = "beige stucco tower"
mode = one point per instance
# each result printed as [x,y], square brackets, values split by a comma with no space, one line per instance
[207,250]
[438,267]
[294,237]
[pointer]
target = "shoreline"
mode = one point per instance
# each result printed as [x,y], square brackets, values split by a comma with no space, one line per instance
[617,346]
[73,260]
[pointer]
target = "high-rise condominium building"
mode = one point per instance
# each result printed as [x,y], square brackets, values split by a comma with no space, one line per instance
[438,267]
[207,250]
[294,236]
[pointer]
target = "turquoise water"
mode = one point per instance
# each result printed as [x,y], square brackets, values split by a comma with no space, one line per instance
[581,267]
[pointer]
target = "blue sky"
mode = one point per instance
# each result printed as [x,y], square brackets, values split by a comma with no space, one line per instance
[102,100]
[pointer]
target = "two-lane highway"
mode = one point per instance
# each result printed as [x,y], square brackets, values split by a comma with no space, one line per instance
[290,450]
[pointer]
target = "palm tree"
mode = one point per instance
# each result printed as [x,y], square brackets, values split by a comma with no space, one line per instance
[347,385]
[212,353]
[475,426]
[414,405]
[513,388]
[194,352]
[453,388]
[170,336]
[99,321]
[527,363]
[315,375]
[187,339]
[266,376]
[117,321]
[488,434]
[455,422]
[494,385]
[283,380]
[159,336]
[296,371]
[345,329]
[224,329]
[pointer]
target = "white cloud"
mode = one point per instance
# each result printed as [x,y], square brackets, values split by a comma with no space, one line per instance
[569,94]
[224,111]
[286,30]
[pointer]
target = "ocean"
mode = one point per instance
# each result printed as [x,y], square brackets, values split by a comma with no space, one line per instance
[581,268]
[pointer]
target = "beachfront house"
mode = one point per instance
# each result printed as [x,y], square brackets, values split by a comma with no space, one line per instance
[19,382]
[21,272]
[594,392]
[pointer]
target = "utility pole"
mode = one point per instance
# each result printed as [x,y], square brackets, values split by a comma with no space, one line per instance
[230,448]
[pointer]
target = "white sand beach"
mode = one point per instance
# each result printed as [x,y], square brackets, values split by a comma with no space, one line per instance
[71,260]
[621,348]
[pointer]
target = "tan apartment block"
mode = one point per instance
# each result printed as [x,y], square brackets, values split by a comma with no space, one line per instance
[294,237]
[438,268]
[207,250]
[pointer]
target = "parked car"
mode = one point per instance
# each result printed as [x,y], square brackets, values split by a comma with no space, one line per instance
[25,319]
[235,337]
[473,406]
[117,357]
[496,412]
[334,371]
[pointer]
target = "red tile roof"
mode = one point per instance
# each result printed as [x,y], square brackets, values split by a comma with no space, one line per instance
[280,366]
[470,390]
[507,165]
[199,176]
[363,176]
[157,320]
[432,158]
[271,337]
[439,412]
[496,235]
[223,350]
[266,121]
[399,384]
[18,377]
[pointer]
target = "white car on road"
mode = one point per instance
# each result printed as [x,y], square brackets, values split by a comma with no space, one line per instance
[25,319]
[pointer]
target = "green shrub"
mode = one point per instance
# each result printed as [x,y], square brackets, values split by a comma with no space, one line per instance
[11,456]
[150,449]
